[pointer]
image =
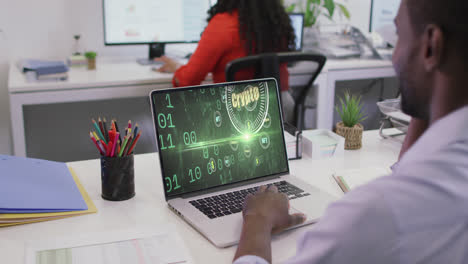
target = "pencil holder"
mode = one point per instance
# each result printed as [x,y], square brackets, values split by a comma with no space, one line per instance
[117,178]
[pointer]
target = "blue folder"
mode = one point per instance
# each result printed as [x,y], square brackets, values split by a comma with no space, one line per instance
[37,186]
[42,67]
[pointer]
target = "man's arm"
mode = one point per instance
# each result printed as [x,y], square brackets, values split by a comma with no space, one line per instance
[255,239]
[416,128]
[264,213]
[360,228]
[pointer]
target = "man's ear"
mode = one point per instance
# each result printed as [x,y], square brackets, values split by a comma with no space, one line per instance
[433,47]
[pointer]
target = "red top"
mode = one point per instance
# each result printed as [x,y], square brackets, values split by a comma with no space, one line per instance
[220,43]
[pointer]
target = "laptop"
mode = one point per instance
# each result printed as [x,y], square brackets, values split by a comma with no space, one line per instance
[218,143]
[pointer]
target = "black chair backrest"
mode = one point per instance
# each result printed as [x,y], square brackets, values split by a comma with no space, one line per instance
[268,65]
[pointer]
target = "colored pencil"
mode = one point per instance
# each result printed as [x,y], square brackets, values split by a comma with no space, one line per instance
[95,136]
[344,182]
[98,130]
[341,184]
[129,127]
[104,145]
[101,146]
[112,135]
[114,144]
[130,150]
[101,127]
[106,134]
[135,130]
[129,141]
[117,129]
[95,143]
[123,146]
[109,149]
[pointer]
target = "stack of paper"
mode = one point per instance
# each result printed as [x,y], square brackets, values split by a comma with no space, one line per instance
[33,190]
[322,143]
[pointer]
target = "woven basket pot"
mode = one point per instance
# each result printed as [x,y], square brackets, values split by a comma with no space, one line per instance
[92,64]
[352,135]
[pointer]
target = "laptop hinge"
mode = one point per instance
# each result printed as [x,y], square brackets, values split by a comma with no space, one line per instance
[225,187]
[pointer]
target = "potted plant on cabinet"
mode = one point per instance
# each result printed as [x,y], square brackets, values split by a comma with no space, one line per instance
[351,116]
[91,57]
[312,10]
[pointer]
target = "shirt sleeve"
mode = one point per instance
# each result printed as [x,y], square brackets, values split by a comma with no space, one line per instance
[249,259]
[357,229]
[211,47]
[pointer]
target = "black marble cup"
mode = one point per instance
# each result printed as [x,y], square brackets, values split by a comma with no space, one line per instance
[117,178]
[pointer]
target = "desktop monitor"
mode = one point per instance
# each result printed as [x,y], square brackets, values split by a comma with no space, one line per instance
[154,23]
[383,12]
[297,22]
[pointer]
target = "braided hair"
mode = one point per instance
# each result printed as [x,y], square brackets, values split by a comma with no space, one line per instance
[264,25]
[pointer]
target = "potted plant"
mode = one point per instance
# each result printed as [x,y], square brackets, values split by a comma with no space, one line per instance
[91,57]
[351,116]
[312,10]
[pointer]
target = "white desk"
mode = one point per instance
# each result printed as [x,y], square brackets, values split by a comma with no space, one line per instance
[148,207]
[108,81]
[128,79]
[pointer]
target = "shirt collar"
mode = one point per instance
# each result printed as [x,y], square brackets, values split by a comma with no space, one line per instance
[449,129]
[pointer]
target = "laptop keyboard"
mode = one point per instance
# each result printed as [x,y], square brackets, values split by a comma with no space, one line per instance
[232,202]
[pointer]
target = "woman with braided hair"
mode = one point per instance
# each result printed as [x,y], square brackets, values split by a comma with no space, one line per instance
[236,28]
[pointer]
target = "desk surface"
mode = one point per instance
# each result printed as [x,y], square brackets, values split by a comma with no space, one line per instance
[106,74]
[148,208]
[128,73]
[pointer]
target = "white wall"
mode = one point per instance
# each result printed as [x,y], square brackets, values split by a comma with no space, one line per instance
[30,29]
[45,29]
[359,10]
[87,21]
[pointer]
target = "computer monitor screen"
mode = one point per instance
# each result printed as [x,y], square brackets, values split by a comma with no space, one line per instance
[383,12]
[297,22]
[154,21]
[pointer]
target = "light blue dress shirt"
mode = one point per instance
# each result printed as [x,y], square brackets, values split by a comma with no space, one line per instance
[419,214]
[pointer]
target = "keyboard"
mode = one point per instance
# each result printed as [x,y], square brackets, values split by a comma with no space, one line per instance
[233,202]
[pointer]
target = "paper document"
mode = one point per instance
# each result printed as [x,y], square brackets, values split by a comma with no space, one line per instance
[155,248]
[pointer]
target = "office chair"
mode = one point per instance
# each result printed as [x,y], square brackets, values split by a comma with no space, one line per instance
[268,65]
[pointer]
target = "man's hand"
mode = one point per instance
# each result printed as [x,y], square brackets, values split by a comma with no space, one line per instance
[272,208]
[264,213]
[169,66]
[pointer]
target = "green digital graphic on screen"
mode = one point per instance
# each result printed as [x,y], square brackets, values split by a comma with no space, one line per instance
[218,135]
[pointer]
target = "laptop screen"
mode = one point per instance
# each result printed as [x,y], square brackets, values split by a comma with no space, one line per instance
[213,135]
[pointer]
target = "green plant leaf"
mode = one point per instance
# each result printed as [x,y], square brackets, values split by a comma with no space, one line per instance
[291,8]
[351,109]
[344,10]
[308,18]
[330,6]
[90,54]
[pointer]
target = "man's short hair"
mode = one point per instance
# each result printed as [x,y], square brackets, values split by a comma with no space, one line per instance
[450,15]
